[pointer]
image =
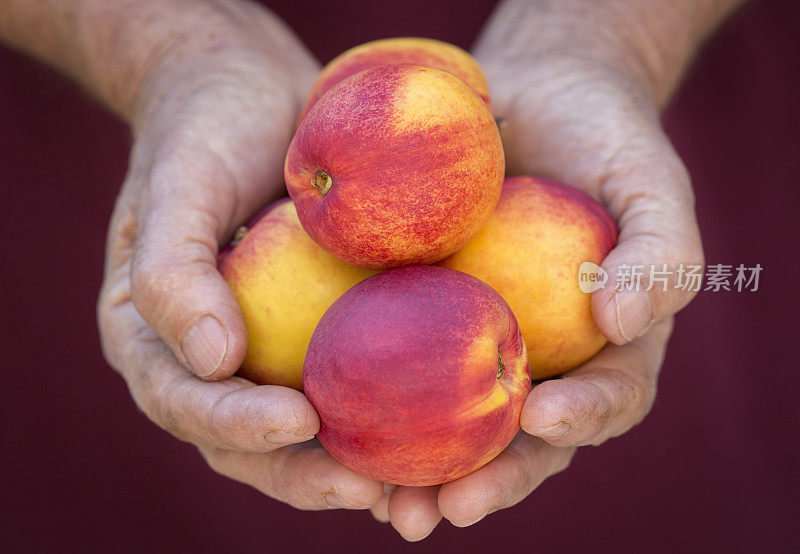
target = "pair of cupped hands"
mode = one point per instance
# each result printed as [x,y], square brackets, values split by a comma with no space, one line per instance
[211,128]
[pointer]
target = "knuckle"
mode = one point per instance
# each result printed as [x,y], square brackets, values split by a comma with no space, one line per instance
[633,395]
[227,424]
[149,276]
[164,281]
[595,416]
[598,407]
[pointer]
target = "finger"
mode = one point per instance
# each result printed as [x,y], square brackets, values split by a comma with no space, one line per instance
[648,191]
[503,482]
[175,283]
[603,398]
[414,511]
[380,510]
[233,414]
[304,476]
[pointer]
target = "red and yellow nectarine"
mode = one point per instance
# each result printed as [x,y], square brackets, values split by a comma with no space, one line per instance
[419,374]
[396,165]
[530,251]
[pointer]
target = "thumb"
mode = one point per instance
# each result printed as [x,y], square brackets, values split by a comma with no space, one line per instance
[648,191]
[185,211]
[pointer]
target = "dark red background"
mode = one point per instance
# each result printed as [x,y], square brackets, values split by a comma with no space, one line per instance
[713,468]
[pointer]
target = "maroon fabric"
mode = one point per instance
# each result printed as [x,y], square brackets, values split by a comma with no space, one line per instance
[713,468]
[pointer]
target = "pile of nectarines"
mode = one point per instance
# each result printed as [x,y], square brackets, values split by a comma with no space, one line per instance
[418,372]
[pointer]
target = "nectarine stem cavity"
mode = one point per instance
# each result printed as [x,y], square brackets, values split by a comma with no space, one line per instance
[238,235]
[501,365]
[322,181]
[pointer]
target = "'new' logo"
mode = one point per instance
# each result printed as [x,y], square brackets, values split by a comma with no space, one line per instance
[591,277]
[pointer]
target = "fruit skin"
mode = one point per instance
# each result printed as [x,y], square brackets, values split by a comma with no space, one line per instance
[530,251]
[413,160]
[410,50]
[283,282]
[403,370]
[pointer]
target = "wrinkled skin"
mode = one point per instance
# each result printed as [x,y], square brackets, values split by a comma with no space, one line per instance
[210,134]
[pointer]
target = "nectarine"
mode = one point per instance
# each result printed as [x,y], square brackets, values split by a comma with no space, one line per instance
[419,374]
[530,251]
[396,165]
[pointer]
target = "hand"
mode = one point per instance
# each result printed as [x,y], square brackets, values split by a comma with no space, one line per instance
[211,127]
[587,115]
[602,399]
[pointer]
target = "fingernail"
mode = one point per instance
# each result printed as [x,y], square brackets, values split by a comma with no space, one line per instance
[334,501]
[283,438]
[204,345]
[634,313]
[556,431]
